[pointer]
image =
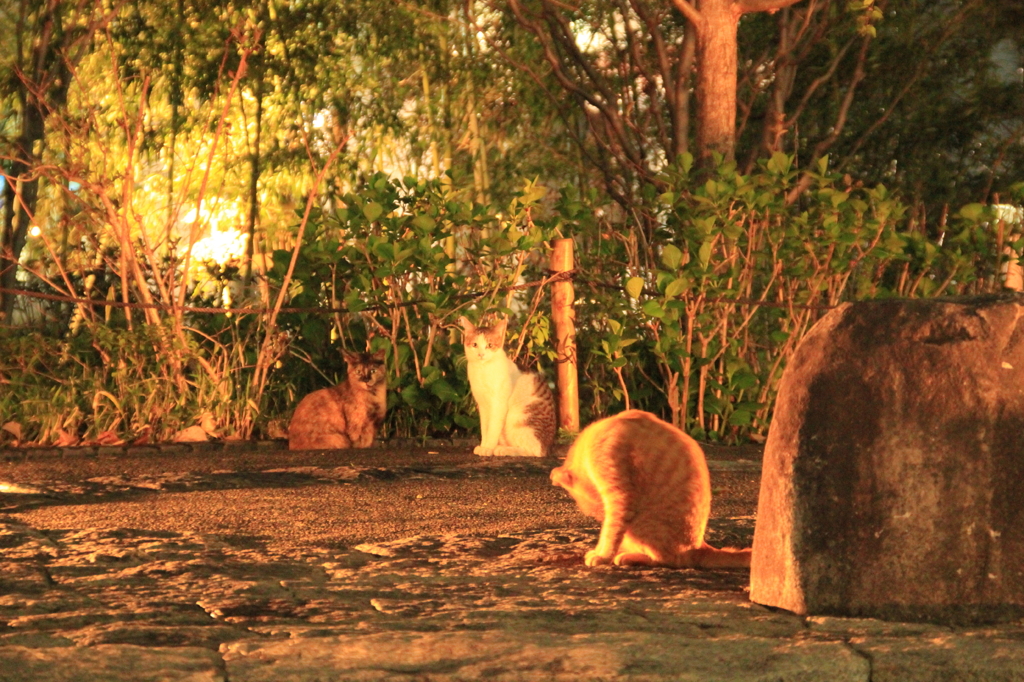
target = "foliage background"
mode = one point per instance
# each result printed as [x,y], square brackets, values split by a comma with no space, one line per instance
[374,170]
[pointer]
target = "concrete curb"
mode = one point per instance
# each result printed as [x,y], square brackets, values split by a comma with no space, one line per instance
[274,445]
[720,458]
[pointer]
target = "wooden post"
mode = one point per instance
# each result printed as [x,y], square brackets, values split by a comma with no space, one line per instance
[564,316]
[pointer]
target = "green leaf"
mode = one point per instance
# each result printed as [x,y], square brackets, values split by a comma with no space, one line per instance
[533,193]
[838,198]
[713,405]
[676,287]
[424,222]
[780,163]
[384,250]
[972,211]
[634,287]
[653,309]
[282,259]
[733,230]
[353,303]
[314,329]
[372,210]
[443,390]
[686,161]
[705,253]
[705,225]
[740,418]
[466,422]
[743,379]
[671,256]
[410,394]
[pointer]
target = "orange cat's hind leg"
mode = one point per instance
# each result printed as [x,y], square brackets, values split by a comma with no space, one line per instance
[707,556]
[635,553]
[634,559]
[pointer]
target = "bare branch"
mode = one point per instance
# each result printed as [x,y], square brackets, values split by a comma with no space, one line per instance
[953,25]
[818,82]
[844,110]
[690,12]
[676,98]
[638,50]
[596,160]
[558,30]
[1008,142]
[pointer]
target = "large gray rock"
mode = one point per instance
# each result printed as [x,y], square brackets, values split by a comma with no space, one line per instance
[893,477]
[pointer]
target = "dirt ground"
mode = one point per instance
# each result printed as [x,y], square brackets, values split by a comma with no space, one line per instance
[316,499]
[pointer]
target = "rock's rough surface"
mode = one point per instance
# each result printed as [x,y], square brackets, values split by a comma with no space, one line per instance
[891,483]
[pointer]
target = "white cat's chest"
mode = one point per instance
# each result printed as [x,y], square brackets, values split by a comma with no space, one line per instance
[492,377]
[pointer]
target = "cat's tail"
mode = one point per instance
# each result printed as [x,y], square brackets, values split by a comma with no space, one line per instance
[707,556]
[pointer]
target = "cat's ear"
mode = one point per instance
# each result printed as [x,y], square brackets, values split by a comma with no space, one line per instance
[466,325]
[500,326]
[379,355]
[349,356]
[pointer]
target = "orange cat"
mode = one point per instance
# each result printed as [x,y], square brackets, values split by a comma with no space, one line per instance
[648,484]
[348,415]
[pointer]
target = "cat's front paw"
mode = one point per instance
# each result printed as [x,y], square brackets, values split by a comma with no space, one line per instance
[594,559]
[483,452]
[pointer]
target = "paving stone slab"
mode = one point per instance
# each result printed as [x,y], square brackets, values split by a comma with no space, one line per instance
[107,663]
[505,656]
[122,604]
[944,658]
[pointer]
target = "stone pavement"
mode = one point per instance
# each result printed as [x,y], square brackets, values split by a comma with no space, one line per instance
[123,604]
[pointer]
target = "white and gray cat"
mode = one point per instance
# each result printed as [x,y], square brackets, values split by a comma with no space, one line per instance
[517,410]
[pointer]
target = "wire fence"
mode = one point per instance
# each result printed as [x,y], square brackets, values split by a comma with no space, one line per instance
[570,275]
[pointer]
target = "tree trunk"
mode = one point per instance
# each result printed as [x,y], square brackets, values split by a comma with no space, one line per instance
[716,22]
[22,205]
[254,179]
[43,83]
[716,79]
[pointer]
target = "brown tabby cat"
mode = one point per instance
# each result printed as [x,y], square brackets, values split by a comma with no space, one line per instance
[648,484]
[348,415]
